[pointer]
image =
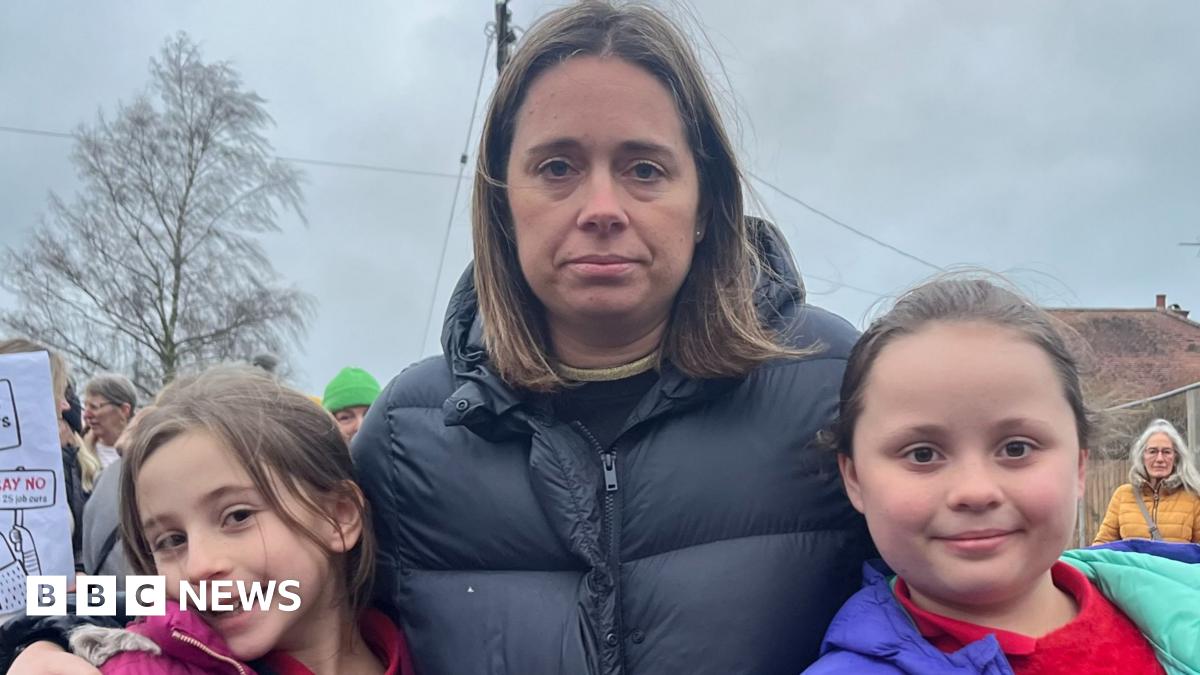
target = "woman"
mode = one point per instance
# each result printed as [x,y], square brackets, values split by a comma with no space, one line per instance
[71,434]
[1162,498]
[81,467]
[612,469]
[109,401]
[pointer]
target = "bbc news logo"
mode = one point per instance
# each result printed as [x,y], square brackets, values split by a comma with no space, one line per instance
[147,595]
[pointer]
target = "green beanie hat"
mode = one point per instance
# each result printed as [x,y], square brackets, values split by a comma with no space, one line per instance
[349,388]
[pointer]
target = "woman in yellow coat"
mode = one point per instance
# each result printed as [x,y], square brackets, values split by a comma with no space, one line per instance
[1163,471]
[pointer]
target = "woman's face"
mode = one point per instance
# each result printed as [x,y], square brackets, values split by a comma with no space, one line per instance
[105,418]
[604,195]
[1159,456]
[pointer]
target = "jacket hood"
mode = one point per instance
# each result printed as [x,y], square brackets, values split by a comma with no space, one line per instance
[481,394]
[782,286]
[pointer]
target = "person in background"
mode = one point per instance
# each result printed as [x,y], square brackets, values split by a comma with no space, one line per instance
[89,462]
[102,552]
[72,417]
[348,396]
[109,401]
[268,363]
[1162,498]
[81,467]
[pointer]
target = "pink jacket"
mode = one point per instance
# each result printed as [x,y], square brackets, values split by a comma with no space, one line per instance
[177,643]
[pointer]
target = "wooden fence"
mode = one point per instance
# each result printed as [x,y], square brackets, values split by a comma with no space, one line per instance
[1104,476]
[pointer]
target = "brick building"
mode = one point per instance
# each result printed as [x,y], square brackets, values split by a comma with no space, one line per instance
[1138,353]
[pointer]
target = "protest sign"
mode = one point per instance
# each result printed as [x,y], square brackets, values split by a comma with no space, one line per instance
[35,523]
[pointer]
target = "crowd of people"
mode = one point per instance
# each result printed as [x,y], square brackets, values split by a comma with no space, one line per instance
[641,450]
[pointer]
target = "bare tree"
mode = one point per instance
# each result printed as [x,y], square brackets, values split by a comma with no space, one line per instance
[157,267]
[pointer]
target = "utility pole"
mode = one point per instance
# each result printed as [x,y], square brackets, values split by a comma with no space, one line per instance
[505,37]
[502,32]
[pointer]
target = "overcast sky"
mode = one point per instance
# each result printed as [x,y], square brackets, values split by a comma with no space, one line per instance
[1055,141]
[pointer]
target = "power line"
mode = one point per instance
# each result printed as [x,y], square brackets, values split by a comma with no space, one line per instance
[490,31]
[462,165]
[842,284]
[298,160]
[839,223]
[367,167]
[35,132]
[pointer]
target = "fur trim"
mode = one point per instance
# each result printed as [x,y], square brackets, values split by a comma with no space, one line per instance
[97,644]
[1171,483]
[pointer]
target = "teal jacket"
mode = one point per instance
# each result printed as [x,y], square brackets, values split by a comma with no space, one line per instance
[1158,593]
[1156,584]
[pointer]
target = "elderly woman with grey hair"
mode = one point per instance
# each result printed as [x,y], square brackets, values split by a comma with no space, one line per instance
[1161,501]
[109,401]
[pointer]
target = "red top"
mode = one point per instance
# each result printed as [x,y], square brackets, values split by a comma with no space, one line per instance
[1100,639]
[381,635]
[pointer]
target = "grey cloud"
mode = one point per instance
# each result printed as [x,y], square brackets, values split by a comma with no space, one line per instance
[1058,137]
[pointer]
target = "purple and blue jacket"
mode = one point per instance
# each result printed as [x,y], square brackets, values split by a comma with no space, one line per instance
[873,635]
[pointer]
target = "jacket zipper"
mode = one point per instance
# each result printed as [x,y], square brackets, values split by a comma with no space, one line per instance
[1156,504]
[188,639]
[609,460]
[611,527]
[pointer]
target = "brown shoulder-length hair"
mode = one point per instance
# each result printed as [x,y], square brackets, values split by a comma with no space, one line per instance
[959,298]
[281,438]
[714,329]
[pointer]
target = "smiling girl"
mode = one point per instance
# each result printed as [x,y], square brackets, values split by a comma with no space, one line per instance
[962,438]
[232,476]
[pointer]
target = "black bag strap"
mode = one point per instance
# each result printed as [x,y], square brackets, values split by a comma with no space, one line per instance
[111,541]
[1154,533]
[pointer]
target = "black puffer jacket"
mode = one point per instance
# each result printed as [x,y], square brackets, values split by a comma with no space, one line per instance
[726,546]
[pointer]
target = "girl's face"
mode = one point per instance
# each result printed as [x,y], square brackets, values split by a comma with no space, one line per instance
[966,464]
[1159,455]
[204,520]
